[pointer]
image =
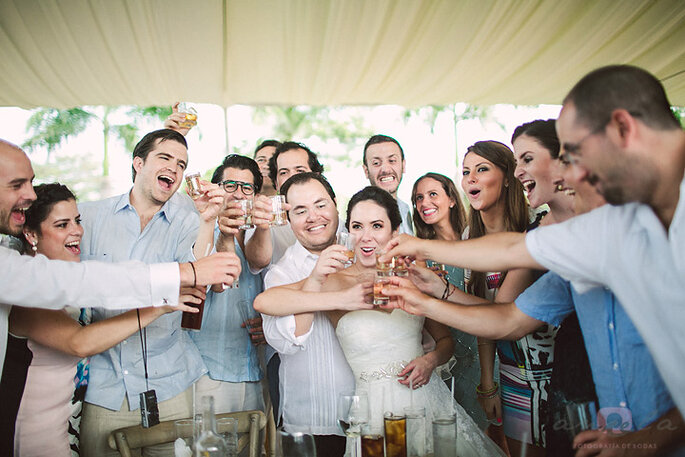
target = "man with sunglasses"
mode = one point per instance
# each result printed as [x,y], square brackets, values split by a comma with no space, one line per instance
[617,130]
[231,329]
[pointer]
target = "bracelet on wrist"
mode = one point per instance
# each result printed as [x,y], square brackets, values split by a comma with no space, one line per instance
[487,393]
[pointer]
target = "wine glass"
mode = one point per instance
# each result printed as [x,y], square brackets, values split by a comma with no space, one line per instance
[296,444]
[353,413]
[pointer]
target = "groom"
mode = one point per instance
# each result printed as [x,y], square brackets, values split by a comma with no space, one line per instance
[313,369]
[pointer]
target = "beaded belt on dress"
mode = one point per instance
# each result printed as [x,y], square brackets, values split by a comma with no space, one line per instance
[389,371]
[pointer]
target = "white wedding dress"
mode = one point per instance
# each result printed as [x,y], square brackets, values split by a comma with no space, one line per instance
[378,345]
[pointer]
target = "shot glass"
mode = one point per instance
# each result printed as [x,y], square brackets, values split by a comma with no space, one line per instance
[400,268]
[348,241]
[193,185]
[246,206]
[384,267]
[190,120]
[278,215]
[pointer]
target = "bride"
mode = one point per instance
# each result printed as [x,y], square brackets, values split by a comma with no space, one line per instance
[382,347]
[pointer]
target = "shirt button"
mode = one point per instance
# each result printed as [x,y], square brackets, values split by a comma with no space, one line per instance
[611,325]
[124,342]
[622,404]
[615,366]
[125,371]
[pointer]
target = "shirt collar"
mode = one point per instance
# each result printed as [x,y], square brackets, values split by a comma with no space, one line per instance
[301,256]
[168,210]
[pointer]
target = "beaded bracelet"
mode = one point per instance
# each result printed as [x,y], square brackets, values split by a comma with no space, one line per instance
[489,393]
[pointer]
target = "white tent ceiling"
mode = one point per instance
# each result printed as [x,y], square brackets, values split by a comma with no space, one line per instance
[64,53]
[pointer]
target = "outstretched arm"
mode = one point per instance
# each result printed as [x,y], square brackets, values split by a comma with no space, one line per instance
[497,321]
[496,252]
[55,329]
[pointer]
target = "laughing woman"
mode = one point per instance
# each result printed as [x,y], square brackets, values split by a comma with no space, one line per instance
[50,411]
[439,215]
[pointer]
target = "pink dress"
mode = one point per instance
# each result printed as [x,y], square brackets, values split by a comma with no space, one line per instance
[49,415]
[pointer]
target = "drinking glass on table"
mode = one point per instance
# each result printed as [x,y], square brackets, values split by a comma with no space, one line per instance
[349,242]
[372,441]
[353,414]
[445,436]
[296,444]
[395,426]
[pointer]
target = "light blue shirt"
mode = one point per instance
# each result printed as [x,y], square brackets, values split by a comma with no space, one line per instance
[623,370]
[627,249]
[226,347]
[112,234]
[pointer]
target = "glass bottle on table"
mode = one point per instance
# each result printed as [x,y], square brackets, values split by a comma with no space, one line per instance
[210,443]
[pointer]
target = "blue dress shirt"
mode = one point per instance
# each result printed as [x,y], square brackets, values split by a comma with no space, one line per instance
[624,372]
[112,234]
[226,347]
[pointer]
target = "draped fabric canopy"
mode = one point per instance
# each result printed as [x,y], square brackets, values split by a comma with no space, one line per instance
[65,53]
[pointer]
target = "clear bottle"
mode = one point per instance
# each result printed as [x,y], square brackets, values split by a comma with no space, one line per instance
[210,443]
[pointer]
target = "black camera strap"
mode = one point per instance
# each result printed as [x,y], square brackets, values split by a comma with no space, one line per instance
[143,347]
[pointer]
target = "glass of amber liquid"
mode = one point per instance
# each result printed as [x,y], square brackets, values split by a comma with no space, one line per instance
[400,267]
[372,441]
[193,185]
[278,216]
[395,434]
[190,113]
[349,242]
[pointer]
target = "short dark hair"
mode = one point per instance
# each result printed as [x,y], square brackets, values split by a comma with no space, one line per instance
[264,144]
[377,139]
[382,198]
[47,195]
[544,132]
[312,158]
[241,163]
[146,144]
[301,178]
[613,87]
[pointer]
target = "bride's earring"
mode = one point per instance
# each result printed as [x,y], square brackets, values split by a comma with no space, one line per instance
[34,246]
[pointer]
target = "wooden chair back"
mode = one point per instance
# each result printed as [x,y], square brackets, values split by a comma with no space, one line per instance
[250,424]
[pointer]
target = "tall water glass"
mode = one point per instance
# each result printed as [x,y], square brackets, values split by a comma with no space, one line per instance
[416,431]
[445,436]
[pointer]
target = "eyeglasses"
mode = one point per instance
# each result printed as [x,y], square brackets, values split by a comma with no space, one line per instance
[232,186]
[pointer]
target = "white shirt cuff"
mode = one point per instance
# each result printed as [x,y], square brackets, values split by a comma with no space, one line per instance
[165,282]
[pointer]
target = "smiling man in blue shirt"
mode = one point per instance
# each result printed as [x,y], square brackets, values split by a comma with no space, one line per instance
[151,223]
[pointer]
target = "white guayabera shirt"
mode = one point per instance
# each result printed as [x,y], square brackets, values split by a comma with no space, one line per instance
[313,370]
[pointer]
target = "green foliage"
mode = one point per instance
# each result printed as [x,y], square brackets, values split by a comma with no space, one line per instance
[77,171]
[49,127]
[297,123]
[679,113]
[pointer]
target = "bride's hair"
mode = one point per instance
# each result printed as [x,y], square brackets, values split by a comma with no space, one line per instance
[382,198]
